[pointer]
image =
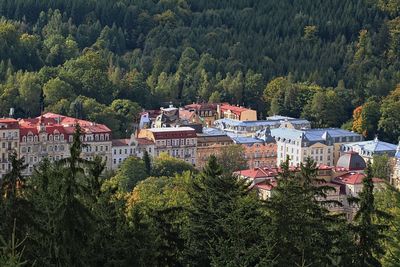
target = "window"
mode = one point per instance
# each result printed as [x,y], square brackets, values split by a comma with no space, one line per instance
[115,161]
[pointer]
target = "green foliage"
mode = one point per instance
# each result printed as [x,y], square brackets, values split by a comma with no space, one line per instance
[381,167]
[165,165]
[130,172]
[232,159]
[218,202]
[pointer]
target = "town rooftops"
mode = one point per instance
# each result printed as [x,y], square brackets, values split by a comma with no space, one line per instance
[120,142]
[372,146]
[246,140]
[169,133]
[144,142]
[353,178]
[170,129]
[234,109]
[8,123]
[55,123]
[202,106]
[315,135]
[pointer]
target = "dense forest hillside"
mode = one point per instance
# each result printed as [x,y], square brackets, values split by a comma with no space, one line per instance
[104,60]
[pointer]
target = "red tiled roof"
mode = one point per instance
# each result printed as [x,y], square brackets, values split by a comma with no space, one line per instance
[350,178]
[202,106]
[10,122]
[120,142]
[144,141]
[186,114]
[63,124]
[267,185]
[258,173]
[233,109]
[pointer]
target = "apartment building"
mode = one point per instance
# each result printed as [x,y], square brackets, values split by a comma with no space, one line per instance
[50,135]
[236,113]
[180,142]
[369,149]
[210,142]
[9,143]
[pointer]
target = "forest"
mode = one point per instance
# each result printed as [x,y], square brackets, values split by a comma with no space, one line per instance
[333,62]
[162,212]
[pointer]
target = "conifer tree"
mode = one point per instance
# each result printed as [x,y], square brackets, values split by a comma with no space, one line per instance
[302,235]
[219,207]
[368,231]
[13,206]
[147,162]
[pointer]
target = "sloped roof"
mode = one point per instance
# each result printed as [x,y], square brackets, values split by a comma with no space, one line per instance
[351,161]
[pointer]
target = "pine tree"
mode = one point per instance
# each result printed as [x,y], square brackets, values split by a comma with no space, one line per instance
[147,161]
[301,226]
[220,206]
[368,232]
[13,205]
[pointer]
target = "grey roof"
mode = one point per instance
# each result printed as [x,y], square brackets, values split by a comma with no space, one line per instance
[312,135]
[374,146]
[258,123]
[213,131]
[246,140]
[351,161]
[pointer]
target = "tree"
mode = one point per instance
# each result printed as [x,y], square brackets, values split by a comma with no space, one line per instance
[368,232]
[165,165]
[232,159]
[129,173]
[55,90]
[301,226]
[219,205]
[388,200]
[147,162]
[381,167]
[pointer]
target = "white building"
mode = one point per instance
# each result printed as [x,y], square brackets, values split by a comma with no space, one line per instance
[122,149]
[322,145]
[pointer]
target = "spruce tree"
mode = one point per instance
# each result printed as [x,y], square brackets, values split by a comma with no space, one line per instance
[219,207]
[301,225]
[13,205]
[368,231]
[147,162]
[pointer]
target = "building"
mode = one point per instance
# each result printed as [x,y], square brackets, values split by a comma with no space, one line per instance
[210,142]
[177,142]
[9,143]
[257,152]
[206,111]
[249,128]
[351,161]
[121,150]
[236,113]
[323,145]
[50,135]
[395,177]
[369,149]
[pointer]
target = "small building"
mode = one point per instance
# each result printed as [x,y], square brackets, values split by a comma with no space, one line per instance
[236,113]
[207,112]
[369,149]
[178,142]
[257,152]
[249,128]
[121,150]
[9,143]
[210,142]
[351,161]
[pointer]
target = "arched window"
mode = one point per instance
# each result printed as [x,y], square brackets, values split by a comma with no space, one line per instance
[62,137]
[96,137]
[107,137]
[35,138]
[71,138]
[24,139]
[51,137]
[102,137]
